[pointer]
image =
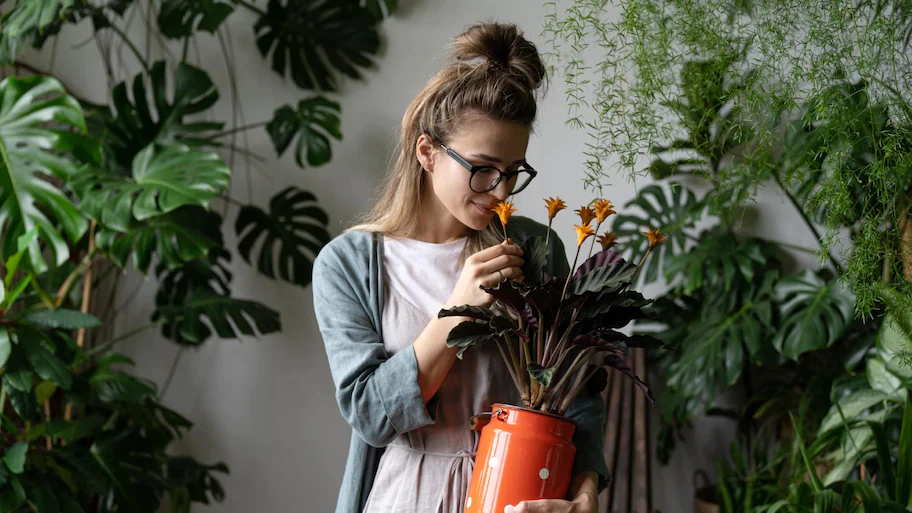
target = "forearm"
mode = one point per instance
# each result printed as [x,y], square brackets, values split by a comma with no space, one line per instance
[582,483]
[434,357]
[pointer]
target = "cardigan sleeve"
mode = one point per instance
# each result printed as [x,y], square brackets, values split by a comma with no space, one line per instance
[587,409]
[377,394]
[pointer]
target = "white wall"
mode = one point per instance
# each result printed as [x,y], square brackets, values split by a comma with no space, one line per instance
[266,407]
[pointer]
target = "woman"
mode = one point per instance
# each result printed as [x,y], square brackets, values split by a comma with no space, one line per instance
[429,243]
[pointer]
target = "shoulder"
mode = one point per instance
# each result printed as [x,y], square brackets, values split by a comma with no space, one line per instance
[346,250]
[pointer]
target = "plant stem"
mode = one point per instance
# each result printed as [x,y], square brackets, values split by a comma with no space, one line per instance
[807,221]
[64,289]
[577,388]
[2,402]
[136,53]
[252,7]
[507,361]
[110,343]
[237,129]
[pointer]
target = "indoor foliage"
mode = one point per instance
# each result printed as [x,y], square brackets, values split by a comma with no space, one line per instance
[88,189]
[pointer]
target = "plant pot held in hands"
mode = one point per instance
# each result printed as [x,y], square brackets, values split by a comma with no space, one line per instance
[558,337]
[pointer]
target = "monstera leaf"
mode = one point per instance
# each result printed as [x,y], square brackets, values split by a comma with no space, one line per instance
[293,232]
[712,353]
[815,313]
[722,262]
[33,15]
[318,39]
[177,237]
[230,317]
[181,18]
[136,124]
[671,212]
[315,121]
[161,181]
[30,149]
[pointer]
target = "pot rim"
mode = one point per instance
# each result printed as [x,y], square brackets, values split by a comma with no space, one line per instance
[532,410]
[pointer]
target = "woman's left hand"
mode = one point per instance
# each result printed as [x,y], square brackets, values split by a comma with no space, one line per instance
[583,503]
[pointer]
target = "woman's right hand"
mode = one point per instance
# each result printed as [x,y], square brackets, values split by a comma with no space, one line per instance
[482,269]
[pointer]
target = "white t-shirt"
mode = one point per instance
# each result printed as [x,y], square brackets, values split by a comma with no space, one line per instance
[424,273]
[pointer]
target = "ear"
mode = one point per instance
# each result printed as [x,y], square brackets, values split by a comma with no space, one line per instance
[424,151]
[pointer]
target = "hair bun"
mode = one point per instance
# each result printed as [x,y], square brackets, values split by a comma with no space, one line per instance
[501,46]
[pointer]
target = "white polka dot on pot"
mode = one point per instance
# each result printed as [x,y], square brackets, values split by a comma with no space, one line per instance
[469,502]
[544,473]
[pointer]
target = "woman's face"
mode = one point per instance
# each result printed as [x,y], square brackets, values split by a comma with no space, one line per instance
[481,142]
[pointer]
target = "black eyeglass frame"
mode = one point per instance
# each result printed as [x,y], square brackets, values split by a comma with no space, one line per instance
[474,169]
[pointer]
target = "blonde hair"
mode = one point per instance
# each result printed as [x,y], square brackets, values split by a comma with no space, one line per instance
[492,71]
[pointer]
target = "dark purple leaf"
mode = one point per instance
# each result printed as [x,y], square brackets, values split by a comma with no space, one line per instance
[600,259]
[620,365]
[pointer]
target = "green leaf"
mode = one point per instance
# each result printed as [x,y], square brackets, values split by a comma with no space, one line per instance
[229,316]
[672,212]
[137,125]
[113,386]
[162,181]
[885,462]
[177,237]
[894,348]
[292,234]
[903,494]
[880,378]
[29,150]
[541,374]
[62,318]
[815,313]
[707,361]
[17,374]
[852,406]
[6,346]
[469,333]
[34,14]
[315,121]
[14,457]
[317,40]
[181,18]
[46,364]
[76,429]
[44,391]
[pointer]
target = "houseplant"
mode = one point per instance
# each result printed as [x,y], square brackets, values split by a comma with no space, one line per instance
[90,191]
[714,95]
[556,336]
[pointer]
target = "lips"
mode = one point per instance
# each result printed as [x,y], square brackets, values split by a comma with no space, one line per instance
[483,209]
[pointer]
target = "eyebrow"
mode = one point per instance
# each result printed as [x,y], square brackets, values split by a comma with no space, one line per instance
[496,160]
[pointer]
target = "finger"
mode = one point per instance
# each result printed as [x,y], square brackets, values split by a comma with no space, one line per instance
[502,262]
[542,506]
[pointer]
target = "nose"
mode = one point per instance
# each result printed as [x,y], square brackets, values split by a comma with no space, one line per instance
[502,191]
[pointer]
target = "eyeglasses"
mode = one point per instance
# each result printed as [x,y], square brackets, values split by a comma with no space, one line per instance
[486,178]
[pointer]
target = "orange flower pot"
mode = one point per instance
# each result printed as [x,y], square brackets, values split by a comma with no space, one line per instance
[522,455]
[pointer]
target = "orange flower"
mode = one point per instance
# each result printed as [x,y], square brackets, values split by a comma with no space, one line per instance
[603,209]
[503,210]
[555,205]
[655,238]
[586,214]
[583,232]
[607,240]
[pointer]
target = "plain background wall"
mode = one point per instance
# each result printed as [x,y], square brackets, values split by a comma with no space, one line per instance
[266,407]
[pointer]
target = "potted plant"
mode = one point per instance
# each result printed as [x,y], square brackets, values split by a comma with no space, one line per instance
[556,336]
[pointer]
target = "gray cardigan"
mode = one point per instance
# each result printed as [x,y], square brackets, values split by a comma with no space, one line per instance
[378,394]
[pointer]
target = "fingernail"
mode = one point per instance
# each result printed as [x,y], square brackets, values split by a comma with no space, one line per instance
[508,509]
